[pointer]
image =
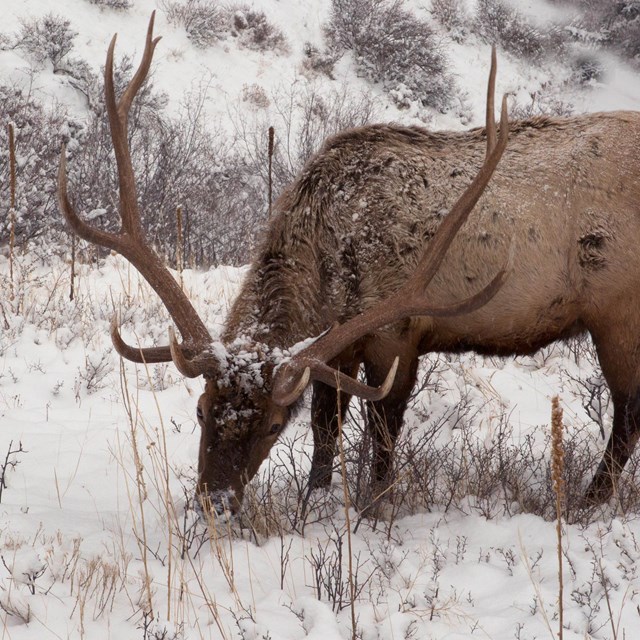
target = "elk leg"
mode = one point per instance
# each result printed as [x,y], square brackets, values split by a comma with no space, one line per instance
[324,422]
[622,441]
[385,417]
[617,353]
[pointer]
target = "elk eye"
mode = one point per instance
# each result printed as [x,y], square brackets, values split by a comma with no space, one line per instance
[275,428]
[199,414]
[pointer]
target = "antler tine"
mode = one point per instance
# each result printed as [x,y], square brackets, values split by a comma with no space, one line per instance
[491,91]
[79,226]
[118,112]
[130,240]
[337,379]
[188,363]
[148,355]
[140,75]
[448,229]
[409,300]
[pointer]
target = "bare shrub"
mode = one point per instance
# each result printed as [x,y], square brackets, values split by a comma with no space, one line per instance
[279,502]
[317,61]
[255,96]
[207,22]
[10,462]
[203,20]
[452,15]
[303,119]
[331,581]
[543,102]
[38,134]
[118,5]
[393,47]
[254,31]
[178,161]
[46,39]
[500,24]
[96,371]
[613,25]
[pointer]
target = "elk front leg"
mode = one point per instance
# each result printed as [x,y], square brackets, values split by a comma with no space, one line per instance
[385,418]
[325,425]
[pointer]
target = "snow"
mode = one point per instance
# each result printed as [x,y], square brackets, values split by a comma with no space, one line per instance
[85,511]
[97,535]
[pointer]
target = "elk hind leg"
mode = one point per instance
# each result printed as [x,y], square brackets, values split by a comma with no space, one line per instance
[617,355]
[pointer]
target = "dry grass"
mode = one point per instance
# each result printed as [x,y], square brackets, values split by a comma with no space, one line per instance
[463,455]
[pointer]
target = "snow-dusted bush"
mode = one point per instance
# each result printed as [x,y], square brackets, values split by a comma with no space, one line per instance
[615,25]
[542,102]
[178,161]
[316,61]
[203,20]
[118,5]
[587,68]
[207,22]
[38,134]
[304,119]
[500,24]
[452,15]
[254,30]
[46,39]
[392,46]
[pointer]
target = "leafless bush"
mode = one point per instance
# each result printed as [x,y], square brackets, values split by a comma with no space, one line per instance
[278,501]
[38,134]
[96,370]
[46,39]
[614,25]
[178,161]
[10,462]
[207,22]
[317,61]
[118,5]
[392,46]
[255,96]
[203,20]
[331,581]
[500,24]
[452,15]
[303,119]
[254,31]
[543,102]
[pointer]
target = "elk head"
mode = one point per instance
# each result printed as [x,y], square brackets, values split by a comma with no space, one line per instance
[250,388]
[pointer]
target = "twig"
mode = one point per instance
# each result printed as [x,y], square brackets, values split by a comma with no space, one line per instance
[179,256]
[12,205]
[557,468]
[270,153]
[347,505]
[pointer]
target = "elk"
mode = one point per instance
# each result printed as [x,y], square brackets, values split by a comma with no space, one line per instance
[366,262]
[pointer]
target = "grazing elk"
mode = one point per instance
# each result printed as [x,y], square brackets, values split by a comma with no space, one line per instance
[362,253]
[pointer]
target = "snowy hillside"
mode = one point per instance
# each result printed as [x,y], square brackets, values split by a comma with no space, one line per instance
[99,537]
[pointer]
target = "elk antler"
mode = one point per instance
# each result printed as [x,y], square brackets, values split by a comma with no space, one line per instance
[130,241]
[311,363]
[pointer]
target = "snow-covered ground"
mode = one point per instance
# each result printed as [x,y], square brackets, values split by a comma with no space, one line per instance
[97,535]
[94,522]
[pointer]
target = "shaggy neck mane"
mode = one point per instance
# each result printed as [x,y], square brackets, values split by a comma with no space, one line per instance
[304,261]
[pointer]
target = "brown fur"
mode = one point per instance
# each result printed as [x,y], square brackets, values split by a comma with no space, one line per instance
[350,229]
